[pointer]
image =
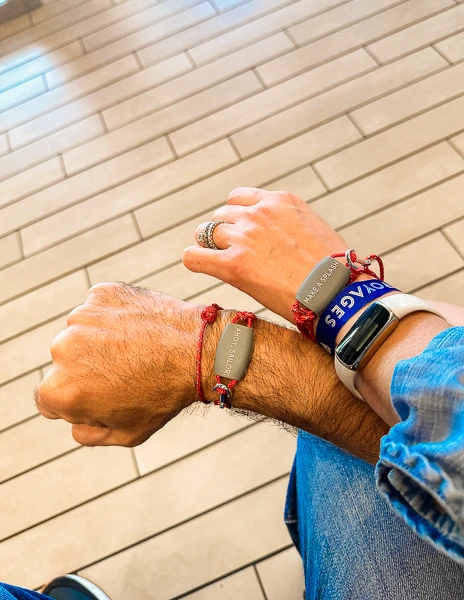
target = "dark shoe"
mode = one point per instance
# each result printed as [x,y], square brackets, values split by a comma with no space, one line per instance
[73,587]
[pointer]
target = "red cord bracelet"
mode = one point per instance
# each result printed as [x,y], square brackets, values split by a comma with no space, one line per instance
[304,318]
[209,315]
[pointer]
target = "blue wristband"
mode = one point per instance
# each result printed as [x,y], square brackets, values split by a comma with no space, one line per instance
[344,306]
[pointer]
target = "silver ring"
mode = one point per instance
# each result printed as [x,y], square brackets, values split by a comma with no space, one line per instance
[205,237]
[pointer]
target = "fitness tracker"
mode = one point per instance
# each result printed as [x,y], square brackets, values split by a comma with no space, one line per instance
[369,332]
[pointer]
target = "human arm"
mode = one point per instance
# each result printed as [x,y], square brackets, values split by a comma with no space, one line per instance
[126,365]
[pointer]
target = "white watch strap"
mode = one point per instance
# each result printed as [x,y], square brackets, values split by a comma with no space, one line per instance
[400,305]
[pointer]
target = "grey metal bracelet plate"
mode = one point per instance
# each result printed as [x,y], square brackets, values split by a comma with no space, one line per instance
[234,351]
[325,281]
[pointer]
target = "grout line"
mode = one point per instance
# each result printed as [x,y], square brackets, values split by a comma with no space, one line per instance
[138,61]
[192,518]
[63,166]
[105,129]
[83,48]
[263,591]
[20,244]
[87,276]
[214,7]
[233,572]
[234,148]
[449,239]
[438,280]
[352,120]
[44,79]
[17,423]
[136,226]
[8,141]
[453,145]
[135,463]
[290,37]
[321,178]
[42,370]
[368,51]
[255,71]
[440,53]
[190,58]
[171,146]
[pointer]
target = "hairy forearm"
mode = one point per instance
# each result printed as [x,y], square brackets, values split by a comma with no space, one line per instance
[291,380]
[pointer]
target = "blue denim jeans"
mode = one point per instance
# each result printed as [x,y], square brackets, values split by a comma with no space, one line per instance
[353,546]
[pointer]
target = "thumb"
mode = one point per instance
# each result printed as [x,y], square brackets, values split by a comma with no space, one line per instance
[87,435]
[204,260]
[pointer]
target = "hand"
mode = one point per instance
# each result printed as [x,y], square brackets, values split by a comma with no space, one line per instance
[124,367]
[270,243]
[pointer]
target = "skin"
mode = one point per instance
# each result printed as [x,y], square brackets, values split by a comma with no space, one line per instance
[126,363]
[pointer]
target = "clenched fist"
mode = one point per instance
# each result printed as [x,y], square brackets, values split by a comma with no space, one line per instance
[124,366]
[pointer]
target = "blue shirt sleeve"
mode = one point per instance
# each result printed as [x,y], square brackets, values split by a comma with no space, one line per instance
[421,466]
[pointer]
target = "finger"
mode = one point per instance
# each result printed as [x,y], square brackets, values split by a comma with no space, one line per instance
[246,196]
[77,315]
[93,436]
[221,234]
[229,213]
[203,260]
[48,414]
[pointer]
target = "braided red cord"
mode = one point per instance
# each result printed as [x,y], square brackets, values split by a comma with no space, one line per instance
[304,318]
[208,315]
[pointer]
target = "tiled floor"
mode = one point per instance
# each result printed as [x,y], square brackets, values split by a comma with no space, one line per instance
[123,124]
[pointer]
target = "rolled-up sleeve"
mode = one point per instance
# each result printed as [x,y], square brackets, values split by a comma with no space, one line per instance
[421,466]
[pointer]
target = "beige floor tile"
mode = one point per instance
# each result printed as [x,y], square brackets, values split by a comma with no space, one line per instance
[205,31]
[389,185]
[120,199]
[98,100]
[187,433]
[179,282]
[29,350]
[418,215]
[303,183]
[39,65]
[10,250]
[106,175]
[455,233]
[160,122]
[450,289]
[14,26]
[159,501]
[55,98]
[44,13]
[27,182]
[349,38]
[336,101]
[67,257]
[33,443]
[4,145]
[21,93]
[411,100]
[111,52]
[199,551]
[393,144]
[16,399]
[61,24]
[339,17]
[422,34]
[51,145]
[194,82]
[282,576]
[442,259]
[453,47]
[149,13]
[257,171]
[266,25]
[227,297]
[49,301]
[248,111]
[62,484]
[243,585]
